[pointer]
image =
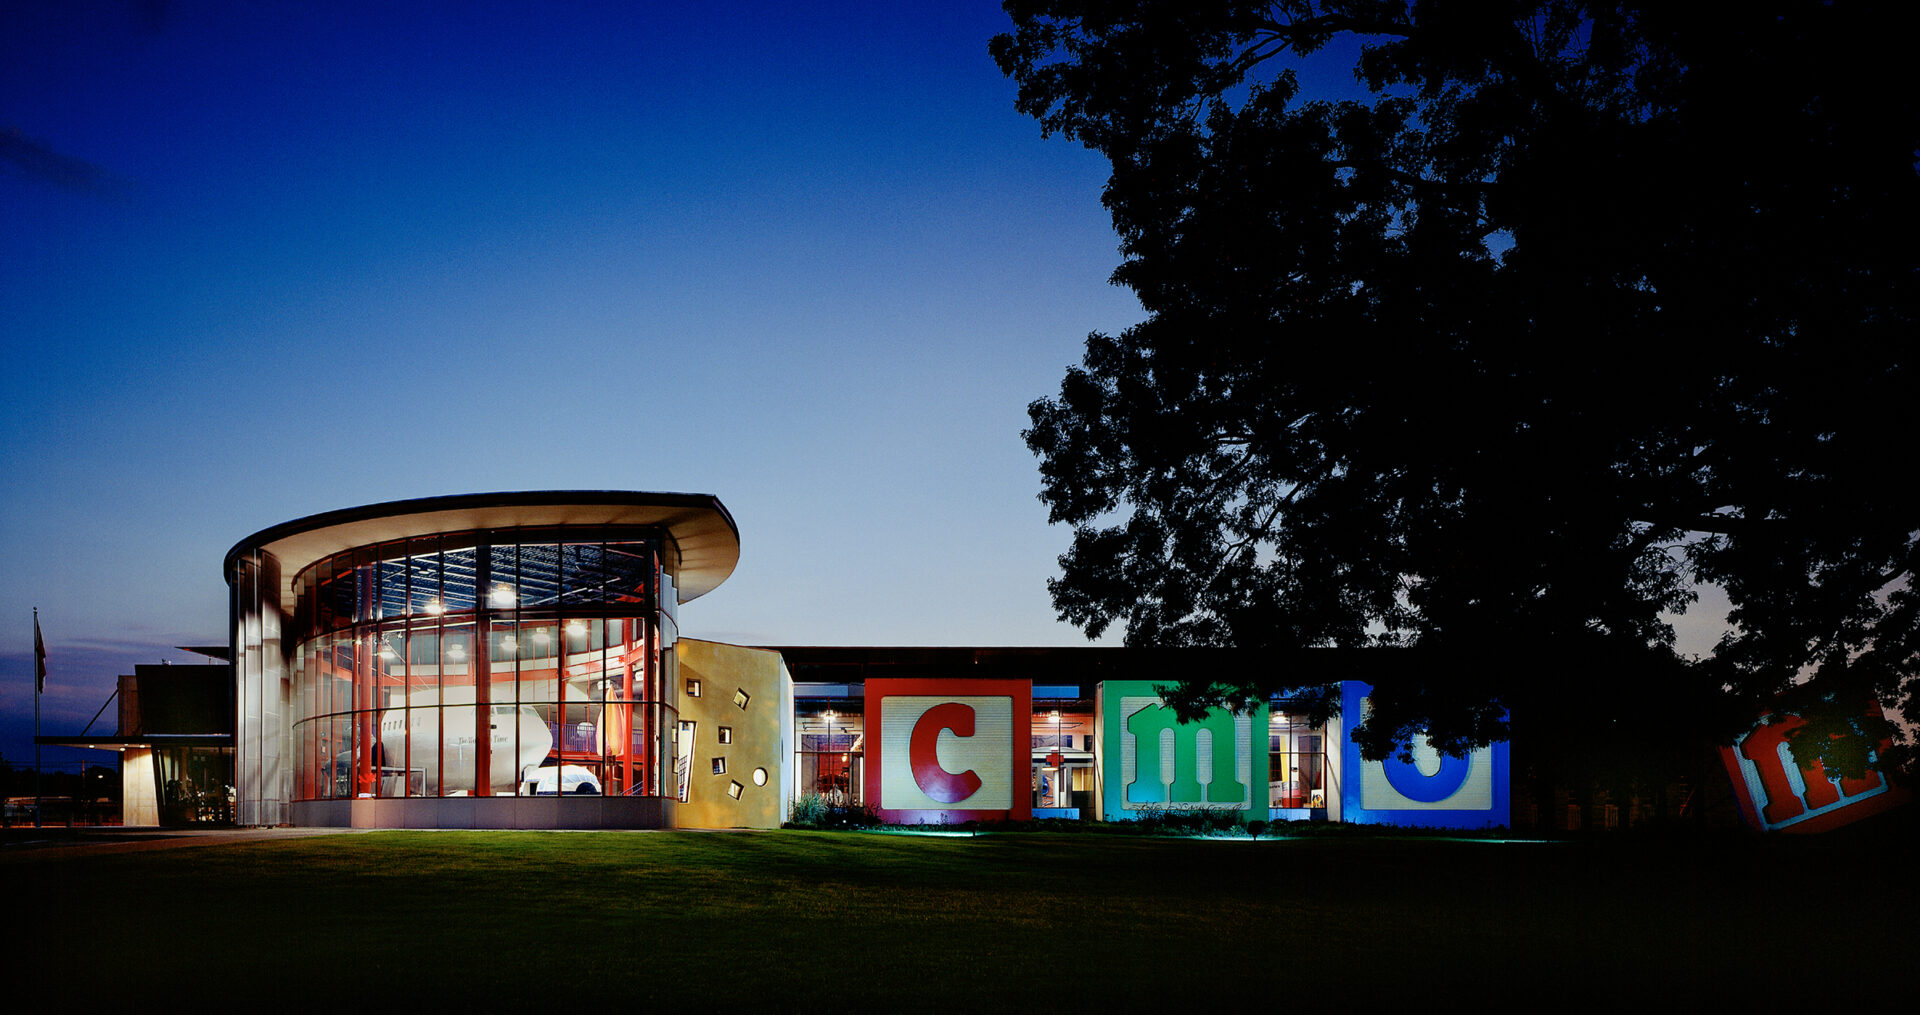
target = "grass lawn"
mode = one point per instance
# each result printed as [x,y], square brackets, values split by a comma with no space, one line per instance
[790,920]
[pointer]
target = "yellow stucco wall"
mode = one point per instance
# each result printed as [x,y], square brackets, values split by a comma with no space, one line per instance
[757,733]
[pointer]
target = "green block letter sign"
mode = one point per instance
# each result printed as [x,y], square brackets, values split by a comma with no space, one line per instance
[1146,726]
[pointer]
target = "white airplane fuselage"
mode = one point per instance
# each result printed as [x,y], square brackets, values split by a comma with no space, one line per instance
[412,739]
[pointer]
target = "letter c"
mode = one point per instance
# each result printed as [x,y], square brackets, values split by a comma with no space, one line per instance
[922,751]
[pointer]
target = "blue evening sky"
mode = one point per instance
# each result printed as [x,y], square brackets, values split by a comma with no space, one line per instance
[265,260]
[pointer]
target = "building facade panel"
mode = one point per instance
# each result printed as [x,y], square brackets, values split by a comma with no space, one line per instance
[1153,763]
[1430,790]
[735,736]
[948,751]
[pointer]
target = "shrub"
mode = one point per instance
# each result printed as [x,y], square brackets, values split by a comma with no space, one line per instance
[809,810]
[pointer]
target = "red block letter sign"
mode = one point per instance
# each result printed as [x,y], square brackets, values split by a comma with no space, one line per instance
[1762,747]
[936,782]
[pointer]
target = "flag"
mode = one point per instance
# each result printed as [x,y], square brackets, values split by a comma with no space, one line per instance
[39,657]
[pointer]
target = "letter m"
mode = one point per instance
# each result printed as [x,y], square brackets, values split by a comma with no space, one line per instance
[1147,725]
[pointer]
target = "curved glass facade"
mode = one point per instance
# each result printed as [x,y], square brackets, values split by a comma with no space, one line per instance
[507,662]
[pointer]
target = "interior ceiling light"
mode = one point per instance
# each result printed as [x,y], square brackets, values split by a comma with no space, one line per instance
[501,596]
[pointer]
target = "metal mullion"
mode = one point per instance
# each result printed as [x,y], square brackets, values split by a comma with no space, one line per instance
[482,670]
[513,653]
[440,669]
[406,707]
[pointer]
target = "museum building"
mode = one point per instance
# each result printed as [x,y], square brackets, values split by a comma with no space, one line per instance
[515,660]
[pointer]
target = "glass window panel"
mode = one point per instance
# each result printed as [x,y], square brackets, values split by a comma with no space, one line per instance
[623,762]
[389,669]
[336,681]
[299,749]
[303,589]
[303,699]
[423,751]
[503,581]
[539,575]
[316,767]
[423,580]
[683,758]
[322,572]
[391,574]
[625,682]
[366,602]
[457,664]
[579,636]
[423,664]
[583,577]
[627,652]
[342,775]
[323,603]
[459,576]
[458,747]
[317,759]
[423,717]
[510,739]
[661,741]
[346,590]
[391,753]
[320,672]
[629,569]
[366,702]
[581,690]
[503,647]
[539,683]
[539,642]
[649,742]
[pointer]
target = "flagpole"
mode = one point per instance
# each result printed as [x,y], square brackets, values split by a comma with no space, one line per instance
[39,679]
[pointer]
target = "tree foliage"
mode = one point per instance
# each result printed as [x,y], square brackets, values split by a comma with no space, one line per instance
[1572,308]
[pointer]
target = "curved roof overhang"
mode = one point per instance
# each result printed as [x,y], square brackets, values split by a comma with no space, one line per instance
[703,534]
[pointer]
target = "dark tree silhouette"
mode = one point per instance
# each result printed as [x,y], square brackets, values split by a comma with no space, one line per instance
[1585,305]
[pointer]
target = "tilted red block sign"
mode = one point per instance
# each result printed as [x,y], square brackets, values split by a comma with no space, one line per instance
[1777,795]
